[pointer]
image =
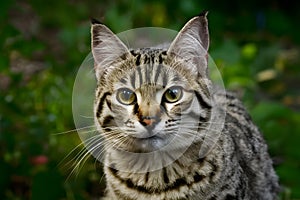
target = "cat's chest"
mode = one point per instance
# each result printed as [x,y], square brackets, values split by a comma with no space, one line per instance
[182,178]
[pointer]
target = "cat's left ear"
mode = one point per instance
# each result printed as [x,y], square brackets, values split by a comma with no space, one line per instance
[191,45]
[107,48]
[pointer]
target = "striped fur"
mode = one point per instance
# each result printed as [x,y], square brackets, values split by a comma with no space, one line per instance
[152,145]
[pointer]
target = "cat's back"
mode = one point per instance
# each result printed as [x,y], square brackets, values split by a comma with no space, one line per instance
[250,149]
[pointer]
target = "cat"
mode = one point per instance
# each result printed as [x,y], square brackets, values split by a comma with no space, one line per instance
[168,133]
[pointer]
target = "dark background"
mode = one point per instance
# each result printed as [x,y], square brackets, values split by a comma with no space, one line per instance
[254,43]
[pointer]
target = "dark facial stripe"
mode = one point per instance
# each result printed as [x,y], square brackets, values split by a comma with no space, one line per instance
[135,109]
[133,53]
[158,70]
[122,80]
[140,75]
[160,59]
[107,121]
[108,102]
[101,103]
[138,60]
[165,79]
[132,79]
[146,59]
[177,109]
[199,117]
[152,58]
[194,114]
[203,103]
[176,78]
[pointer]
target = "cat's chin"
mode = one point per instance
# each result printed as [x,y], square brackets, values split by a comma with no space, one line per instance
[149,144]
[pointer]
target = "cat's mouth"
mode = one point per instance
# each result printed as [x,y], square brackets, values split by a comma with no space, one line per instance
[151,143]
[152,137]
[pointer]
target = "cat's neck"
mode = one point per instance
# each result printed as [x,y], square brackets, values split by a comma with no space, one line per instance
[189,168]
[141,163]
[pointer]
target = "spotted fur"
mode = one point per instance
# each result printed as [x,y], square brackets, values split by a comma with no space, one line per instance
[152,146]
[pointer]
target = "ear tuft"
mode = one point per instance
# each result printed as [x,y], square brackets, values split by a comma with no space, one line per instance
[204,13]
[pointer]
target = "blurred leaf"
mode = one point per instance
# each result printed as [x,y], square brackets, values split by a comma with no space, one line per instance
[270,110]
[249,51]
[5,177]
[47,186]
[277,22]
[118,21]
[228,52]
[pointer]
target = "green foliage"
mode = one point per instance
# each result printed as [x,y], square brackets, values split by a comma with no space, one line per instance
[44,43]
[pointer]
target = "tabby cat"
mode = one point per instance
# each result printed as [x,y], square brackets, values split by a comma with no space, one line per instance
[168,132]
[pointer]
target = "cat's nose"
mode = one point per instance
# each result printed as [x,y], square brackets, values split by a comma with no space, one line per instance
[149,121]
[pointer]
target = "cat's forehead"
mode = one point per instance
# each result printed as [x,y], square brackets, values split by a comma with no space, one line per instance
[149,51]
[148,56]
[149,69]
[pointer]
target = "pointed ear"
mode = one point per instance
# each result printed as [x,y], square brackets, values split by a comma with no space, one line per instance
[107,48]
[191,45]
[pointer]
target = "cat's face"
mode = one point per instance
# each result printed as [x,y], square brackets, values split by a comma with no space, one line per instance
[150,99]
[147,106]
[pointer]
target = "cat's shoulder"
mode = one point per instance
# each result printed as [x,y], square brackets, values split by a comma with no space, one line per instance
[228,97]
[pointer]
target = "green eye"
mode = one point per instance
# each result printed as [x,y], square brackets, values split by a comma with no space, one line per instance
[126,96]
[173,94]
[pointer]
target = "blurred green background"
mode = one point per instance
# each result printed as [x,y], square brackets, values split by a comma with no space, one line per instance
[254,43]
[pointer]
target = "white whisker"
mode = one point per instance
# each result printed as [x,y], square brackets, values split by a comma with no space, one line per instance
[74,130]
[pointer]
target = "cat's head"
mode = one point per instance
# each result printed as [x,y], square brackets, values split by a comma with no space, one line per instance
[149,99]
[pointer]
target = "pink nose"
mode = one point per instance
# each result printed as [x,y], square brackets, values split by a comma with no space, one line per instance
[148,122]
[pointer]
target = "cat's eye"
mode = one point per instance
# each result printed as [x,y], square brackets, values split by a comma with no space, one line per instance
[173,94]
[126,96]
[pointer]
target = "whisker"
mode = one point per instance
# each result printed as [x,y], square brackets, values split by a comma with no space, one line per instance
[78,166]
[200,122]
[85,154]
[73,130]
[87,117]
[69,154]
[81,157]
[86,142]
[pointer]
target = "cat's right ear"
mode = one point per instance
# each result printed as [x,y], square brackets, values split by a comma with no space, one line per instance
[107,48]
[191,45]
